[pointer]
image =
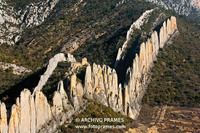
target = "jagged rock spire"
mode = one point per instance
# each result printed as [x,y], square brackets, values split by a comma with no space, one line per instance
[32,112]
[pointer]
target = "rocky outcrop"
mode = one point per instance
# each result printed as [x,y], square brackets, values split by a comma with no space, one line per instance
[12,22]
[182,7]
[121,2]
[136,25]
[102,83]
[71,58]
[53,62]
[35,13]
[3,118]
[137,76]
[9,30]
[18,70]
[32,112]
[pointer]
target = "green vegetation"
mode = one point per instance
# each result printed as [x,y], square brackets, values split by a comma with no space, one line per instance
[106,27]
[176,73]
[52,83]
[41,43]
[96,110]
[7,79]
[19,55]
[12,85]
[20,4]
[103,50]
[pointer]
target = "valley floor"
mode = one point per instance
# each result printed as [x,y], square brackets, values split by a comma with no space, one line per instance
[170,119]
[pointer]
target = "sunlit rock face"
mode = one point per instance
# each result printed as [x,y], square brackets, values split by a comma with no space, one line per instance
[3,118]
[135,25]
[104,81]
[32,112]
[53,62]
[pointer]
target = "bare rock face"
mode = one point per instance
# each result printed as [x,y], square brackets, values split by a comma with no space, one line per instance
[79,89]
[136,25]
[53,62]
[33,113]
[3,118]
[63,94]
[119,106]
[73,85]
[71,58]
[43,111]
[25,111]
[138,74]
[102,83]
[57,105]
[14,120]
[74,94]
[88,79]
[13,22]
[182,7]
[35,13]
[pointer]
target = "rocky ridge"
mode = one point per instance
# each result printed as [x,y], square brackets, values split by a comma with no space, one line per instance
[33,113]
[13,23]
[53,62]
[182,7]
[18,70]
[136,25]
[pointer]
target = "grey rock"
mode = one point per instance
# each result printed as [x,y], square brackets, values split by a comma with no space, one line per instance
[53,62]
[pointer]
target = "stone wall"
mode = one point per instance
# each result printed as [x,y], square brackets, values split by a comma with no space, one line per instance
[33,113]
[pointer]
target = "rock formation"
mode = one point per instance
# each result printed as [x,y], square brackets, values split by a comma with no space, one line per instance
[102,83]
[32,112]
[182,7]
[18,70]
[12,22]
[136,25]
[3,118]
[53,62]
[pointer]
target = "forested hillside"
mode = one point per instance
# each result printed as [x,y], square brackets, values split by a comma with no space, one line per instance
[176,73]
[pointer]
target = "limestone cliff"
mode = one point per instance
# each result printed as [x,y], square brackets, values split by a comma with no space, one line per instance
[101,83]
[183,7]
[136,25]
[53,62]
[32,113]
[12,22]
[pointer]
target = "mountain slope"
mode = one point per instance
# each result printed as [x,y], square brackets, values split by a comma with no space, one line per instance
[190,8]
[97,29]
[176,76]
